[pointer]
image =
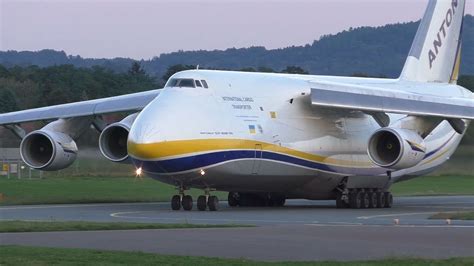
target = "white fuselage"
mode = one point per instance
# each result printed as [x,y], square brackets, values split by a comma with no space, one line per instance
[259,133]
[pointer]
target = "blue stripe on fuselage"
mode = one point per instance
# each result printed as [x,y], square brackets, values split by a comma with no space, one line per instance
[208,159]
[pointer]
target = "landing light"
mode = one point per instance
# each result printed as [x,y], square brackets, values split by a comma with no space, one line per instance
[202,172]
[138,172]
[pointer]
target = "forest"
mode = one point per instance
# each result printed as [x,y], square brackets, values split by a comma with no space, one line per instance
[30,79]
[32,86]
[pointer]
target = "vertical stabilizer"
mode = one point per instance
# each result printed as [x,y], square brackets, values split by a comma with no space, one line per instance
[435,54]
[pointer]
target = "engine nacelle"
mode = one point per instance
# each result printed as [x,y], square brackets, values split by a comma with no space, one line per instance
[113,139]
[396,148]
[48,150]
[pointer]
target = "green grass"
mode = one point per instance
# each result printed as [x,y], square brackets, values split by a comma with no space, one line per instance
[435,185]
[86,190]
[49,226]
[461,163]
[16,255]
[454,215]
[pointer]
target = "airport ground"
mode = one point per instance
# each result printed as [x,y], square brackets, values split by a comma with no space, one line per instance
[60,190]
[15,255]
[300,231]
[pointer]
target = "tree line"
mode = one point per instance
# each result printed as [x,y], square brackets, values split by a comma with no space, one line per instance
[32,86]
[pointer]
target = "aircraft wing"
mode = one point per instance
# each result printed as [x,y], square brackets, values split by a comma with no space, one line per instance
[381,100]
[128,102]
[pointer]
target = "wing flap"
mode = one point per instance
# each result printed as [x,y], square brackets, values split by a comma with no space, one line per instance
[129,102]
[371,99]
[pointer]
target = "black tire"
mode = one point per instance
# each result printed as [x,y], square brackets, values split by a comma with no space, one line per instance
[340,203]
[201,203]
[233,199]
[372,200]
[364,200]
[187,203]
[246,200]
[176,203]
[268,200]
[280,201]
[388,200]
[380,199]
[355,200]
[213,203]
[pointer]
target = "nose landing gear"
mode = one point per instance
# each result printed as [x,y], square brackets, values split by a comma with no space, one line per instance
[186,201]
[208,201]
[182,200]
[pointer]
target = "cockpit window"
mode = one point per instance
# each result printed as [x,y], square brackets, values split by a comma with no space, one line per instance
[172,83]
[187,83]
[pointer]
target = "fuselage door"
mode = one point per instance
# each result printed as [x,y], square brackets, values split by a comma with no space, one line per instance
[257,159]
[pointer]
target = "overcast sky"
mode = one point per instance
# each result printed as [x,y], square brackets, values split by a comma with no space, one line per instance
[146,28]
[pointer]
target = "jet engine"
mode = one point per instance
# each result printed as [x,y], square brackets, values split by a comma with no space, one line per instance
[48,150]
[113,139]
[396,148]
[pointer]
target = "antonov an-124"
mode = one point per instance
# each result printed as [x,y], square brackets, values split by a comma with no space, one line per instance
[265,137]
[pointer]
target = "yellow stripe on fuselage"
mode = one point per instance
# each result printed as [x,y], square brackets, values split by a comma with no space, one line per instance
[163,150]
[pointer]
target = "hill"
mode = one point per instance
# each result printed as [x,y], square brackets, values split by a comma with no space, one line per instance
[376,51]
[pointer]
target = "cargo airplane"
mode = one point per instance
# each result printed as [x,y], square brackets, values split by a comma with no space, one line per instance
[265,138]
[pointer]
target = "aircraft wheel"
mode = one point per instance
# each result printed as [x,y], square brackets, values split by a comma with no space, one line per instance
[365,201]
[388,200]
[355,200]
[245,200]
[340,203]
[187,203]
[372,200]
[213,203]
[233,199]
[280,201]
[380,199]
[201,203]
[176,203]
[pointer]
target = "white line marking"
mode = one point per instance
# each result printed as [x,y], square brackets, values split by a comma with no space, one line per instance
[345,223]
[398,214]
[388,225]
[26,207]
[439,206]
[124,215]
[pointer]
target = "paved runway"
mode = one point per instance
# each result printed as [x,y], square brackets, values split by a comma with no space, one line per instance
[302,230]
[270,243]
[409,210]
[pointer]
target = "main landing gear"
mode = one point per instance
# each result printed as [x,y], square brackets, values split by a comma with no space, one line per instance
[186,202]
[364,199]
[255,199]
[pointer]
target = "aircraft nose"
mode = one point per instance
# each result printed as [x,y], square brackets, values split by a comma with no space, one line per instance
[148,148]
[144,134]
[141,139]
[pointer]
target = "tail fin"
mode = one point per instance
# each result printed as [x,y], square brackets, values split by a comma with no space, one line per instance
[435,54]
